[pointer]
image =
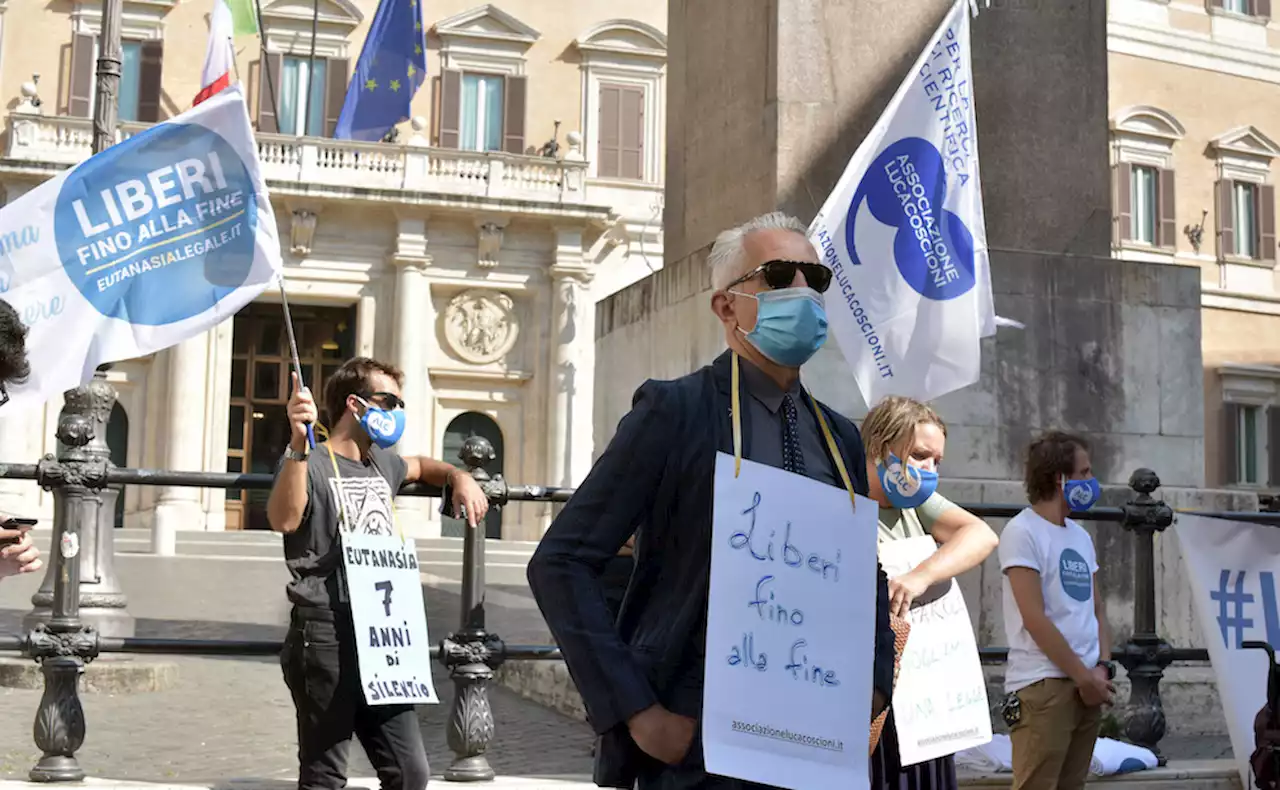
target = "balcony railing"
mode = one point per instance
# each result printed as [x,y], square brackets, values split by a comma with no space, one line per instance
[339,163]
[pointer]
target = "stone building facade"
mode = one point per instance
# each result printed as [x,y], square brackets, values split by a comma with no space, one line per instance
[470,250]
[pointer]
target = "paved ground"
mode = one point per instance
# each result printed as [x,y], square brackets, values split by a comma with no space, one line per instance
[229,718]
[232,717]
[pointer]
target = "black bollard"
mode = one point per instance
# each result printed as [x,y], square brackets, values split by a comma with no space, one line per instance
[1145,656]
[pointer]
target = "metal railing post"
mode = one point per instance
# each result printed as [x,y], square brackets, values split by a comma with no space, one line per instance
[472,654]
[65,644]
[1145,656]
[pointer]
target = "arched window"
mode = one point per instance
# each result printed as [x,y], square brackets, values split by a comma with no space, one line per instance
[460,429]
[118,443]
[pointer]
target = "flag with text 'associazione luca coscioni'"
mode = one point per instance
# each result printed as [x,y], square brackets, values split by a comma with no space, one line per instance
[153,241]
[392,65]
[904,233]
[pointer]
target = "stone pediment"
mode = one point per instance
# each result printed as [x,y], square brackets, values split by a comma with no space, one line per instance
[333,12]
[487,22]
[1148,122]
[624,37]
[1247,140]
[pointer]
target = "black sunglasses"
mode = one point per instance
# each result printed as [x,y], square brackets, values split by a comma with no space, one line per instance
[781,274]
[386,400]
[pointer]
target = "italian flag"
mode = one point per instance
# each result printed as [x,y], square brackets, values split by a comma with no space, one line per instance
[230,18]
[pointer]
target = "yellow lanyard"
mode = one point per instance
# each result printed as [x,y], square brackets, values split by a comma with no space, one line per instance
[735,394]
[342,505]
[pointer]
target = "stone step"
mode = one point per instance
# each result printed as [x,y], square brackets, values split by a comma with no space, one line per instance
[1192,774]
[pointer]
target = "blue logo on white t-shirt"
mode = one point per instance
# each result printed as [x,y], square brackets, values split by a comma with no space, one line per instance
[1077,582]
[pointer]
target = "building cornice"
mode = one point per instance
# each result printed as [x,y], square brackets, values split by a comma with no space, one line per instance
[1193,50]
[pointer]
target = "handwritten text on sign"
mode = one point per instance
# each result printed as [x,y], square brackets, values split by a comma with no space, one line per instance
[790,630]
[390,619]
[940,700]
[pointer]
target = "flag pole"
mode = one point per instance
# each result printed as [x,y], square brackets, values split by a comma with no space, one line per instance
[275,113]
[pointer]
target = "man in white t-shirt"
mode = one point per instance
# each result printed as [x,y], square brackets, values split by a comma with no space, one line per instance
[1057,677]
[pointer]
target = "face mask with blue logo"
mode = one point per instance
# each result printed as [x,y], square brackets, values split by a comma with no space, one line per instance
[385,427]
[1082,494]
[791,325]
[904,485]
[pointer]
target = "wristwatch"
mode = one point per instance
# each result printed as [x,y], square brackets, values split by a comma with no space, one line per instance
[293,455]
[1110,666]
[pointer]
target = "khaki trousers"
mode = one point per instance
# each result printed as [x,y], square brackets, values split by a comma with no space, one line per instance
[1053,740]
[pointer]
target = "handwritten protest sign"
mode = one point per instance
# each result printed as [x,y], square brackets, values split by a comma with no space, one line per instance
[940,702]
[390,619]
[790,630]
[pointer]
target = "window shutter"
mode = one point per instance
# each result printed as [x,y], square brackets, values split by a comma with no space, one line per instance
[632,123]
[1167,232]
[1262,9]
[1267,222]
[513,94]
[269,92]
[1124,201]
[335,82]
[609,149]
[80,96]
[450,109]
[149,82]
[1273,446]
[1226,219]
[1230,447]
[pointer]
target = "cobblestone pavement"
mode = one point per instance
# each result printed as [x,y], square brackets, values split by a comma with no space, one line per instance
[233,717]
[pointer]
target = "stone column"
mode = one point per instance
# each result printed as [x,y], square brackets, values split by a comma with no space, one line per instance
[413,327]
[179,508]
[567,379]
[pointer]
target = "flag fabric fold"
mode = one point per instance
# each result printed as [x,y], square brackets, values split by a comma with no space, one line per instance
[148,243]
[219,58]
[392,66]
[905,235]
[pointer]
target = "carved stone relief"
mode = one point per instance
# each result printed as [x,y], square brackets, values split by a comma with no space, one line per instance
[489,244]
[481,326]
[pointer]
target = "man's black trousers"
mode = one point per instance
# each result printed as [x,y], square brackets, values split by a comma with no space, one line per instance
[322,673]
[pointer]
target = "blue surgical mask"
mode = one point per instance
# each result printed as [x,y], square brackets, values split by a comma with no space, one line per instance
[791,325]
[905,486]
[1082,494]
[384,427]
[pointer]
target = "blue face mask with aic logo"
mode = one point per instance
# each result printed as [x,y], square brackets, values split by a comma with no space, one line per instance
[1082,494]
[385,427]
[791,325]
[904,485]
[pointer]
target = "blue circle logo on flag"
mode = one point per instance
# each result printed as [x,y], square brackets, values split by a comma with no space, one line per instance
[897,211]
[158,229]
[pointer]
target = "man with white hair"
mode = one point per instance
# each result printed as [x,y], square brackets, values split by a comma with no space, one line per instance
[641,679]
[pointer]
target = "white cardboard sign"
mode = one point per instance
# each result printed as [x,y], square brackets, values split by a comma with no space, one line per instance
[940,702]
[790,631]
[390,619]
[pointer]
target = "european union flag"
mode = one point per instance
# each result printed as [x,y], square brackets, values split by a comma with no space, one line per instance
[392,65]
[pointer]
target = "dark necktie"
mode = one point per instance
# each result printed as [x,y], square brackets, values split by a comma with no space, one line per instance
[792,457]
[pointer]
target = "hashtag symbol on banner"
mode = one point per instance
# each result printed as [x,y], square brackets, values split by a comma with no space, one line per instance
[1229,598]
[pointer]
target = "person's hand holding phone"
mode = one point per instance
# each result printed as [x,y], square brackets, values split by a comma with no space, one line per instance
[18,553]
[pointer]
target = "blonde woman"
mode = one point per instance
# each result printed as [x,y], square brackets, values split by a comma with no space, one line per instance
[905,442]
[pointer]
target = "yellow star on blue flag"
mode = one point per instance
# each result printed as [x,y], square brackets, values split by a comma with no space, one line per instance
[391,68]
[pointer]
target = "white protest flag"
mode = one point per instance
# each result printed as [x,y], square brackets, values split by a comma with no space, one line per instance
[153,241]
[905,235]
[1233,567]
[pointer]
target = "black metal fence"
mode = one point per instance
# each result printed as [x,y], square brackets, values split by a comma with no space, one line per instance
[80,477]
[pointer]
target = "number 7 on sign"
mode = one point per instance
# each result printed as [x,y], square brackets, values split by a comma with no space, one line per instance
[385,587]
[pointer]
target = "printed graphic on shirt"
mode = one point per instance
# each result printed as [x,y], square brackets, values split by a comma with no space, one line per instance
[1074,572]
[365,504]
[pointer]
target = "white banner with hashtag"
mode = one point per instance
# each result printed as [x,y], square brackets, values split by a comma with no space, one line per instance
[1233,567]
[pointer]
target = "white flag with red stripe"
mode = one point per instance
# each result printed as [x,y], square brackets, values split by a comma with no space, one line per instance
[220,58]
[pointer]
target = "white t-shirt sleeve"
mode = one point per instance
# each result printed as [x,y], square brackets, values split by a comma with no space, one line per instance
[1018,548]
